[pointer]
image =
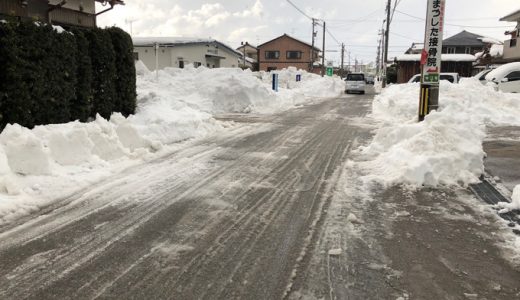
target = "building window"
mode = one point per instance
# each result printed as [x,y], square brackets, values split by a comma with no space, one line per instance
[272,54]
[294,54]
[136,56]
[181,64]
[468,50]
[450,50]
[512,43]
[269,69]
[197,64]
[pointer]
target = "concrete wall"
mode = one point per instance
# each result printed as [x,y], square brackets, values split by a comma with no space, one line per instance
[171,56]
[283,45]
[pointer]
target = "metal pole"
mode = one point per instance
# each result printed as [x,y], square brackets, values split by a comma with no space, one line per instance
[311,66]
[323,53]
[388,6]
[342,58]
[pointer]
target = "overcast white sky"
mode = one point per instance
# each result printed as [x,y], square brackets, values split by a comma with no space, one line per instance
[353,22]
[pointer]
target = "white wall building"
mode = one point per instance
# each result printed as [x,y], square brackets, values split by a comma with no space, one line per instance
[180,52]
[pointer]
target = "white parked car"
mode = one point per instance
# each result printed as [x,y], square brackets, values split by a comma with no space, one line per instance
[506,77]
[355,83]
[451,77]
[481,76]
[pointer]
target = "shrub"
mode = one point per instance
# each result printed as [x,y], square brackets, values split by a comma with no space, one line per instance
[103,72]
[125,71]
[80,108]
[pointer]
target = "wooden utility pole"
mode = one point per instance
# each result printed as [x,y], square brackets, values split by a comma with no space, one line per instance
[311,65]
[323,53]
[387,31]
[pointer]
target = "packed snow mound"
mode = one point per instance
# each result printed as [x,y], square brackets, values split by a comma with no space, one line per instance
[42,164]
[515,203]
[446,148]
[232,90]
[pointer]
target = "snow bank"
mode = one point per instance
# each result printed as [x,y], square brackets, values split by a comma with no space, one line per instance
[47,162]
[446,148]
[515,203]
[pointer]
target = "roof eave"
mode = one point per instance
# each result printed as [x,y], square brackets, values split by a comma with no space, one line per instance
[512,17]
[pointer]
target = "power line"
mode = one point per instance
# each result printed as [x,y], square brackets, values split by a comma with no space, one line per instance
[298,9]
[449,24]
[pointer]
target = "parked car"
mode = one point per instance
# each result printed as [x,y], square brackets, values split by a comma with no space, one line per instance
[506,78]
[370,79]
[355,83]
[481,76]
[451,77]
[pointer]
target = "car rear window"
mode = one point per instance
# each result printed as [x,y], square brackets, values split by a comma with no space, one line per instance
[355,77]
[447,77]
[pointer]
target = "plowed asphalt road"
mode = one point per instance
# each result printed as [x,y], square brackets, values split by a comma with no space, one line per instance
[262,211]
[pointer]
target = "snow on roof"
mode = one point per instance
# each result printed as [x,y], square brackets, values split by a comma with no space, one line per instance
[512,17]
[250,60]
[444,57]
[503,70]
[490,40]
[496,50]
[165,41]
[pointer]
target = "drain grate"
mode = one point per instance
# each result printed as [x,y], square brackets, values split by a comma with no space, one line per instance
[489,194]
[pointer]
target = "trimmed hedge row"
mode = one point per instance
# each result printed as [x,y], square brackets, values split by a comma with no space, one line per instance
[49,77]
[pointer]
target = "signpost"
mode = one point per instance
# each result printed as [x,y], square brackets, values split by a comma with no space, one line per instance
[431,58]
[275,82]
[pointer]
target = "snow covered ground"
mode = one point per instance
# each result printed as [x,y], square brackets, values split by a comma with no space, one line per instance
[445,149]
[41,165]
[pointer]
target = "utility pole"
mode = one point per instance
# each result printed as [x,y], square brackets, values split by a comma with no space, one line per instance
[311,65]
[348,69]
[388,6]
[323,53]
[342,59]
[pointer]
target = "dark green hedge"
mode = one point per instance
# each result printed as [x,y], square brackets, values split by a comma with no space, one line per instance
[125,71]
[50,77]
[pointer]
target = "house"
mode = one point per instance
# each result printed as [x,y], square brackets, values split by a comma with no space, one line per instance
[416,48]
[410,64]
[286,51]
[179,52]
[511,46]
[58,12]
[249,55]
[464,42]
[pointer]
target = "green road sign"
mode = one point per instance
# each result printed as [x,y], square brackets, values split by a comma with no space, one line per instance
[329,71]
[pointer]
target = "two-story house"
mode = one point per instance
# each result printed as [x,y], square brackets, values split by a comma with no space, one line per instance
[512,46]
[286,51]
[178,52]
[249,55]
[59,12]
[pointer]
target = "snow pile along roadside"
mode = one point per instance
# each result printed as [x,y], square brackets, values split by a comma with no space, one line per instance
[446,148]
[47,162]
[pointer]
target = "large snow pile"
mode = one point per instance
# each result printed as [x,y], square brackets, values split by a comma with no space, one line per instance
[515,203]
[446,148]
[42,164]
